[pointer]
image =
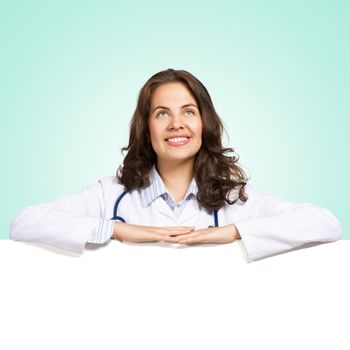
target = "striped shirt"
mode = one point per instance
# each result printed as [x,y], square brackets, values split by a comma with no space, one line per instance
[103,231]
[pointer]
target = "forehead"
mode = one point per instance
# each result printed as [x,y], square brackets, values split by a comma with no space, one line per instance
[171,94]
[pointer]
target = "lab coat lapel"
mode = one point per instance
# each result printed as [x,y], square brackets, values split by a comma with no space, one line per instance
[190,210]
[161,206]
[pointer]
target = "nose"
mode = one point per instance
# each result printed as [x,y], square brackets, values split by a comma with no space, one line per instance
[176,122]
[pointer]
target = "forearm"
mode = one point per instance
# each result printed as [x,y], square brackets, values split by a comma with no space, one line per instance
[235,231]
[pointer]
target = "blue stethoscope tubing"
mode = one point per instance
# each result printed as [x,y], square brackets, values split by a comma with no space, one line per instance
[116,217]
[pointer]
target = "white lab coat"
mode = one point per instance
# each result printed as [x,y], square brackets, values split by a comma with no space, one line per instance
[267,224]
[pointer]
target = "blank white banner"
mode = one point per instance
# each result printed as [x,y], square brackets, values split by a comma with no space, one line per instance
[166,296]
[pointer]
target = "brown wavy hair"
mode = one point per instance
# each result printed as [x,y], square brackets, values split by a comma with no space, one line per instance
[216,174]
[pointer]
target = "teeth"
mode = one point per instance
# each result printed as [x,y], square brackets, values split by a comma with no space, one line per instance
[178,139]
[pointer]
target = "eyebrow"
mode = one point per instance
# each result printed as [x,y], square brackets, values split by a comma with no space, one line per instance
[184,106]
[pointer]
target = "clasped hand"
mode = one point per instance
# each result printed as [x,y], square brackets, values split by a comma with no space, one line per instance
[177,234]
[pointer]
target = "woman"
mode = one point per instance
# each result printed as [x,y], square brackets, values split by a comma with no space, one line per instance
[176,185]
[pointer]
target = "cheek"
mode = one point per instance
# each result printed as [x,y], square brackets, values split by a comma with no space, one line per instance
[153,130]
[156,134]
[157,127]
[198,129]
[195,125]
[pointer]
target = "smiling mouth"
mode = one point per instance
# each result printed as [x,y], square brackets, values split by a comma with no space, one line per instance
[178,139]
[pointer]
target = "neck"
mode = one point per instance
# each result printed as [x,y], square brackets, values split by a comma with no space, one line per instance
[176,176]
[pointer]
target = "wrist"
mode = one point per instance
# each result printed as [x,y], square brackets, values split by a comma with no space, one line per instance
[236,234]
[116,230]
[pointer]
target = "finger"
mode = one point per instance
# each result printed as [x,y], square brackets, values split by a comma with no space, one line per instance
[173,231]
[167,238]
[179,233]
[192,234]
[178,228]
[168,228]
[207,237]
[192,239]
[203,235]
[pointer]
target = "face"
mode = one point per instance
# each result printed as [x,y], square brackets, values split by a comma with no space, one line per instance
[175,123]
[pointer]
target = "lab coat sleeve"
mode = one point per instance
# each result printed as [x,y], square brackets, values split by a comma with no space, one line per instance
[65,223]
[274,225]
[102,232]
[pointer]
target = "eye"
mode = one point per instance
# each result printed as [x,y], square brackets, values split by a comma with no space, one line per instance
[158,114]
[191,111]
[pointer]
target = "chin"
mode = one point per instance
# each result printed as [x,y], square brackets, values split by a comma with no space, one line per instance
[177,157]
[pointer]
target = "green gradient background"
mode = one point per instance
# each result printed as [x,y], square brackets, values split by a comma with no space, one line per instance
[278,73]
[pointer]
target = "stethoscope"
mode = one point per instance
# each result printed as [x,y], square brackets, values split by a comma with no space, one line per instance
[116,217]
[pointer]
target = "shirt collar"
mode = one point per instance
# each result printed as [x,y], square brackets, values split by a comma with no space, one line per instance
[157,188]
